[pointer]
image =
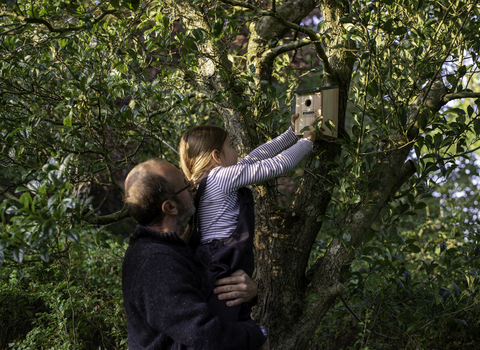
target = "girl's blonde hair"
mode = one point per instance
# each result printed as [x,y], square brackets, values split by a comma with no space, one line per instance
[196,147]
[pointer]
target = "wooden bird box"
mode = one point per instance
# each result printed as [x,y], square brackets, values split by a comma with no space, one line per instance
[314,102]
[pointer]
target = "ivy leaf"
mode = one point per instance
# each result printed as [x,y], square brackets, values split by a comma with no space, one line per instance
[460,321]
[400,31]
[72,235]
[52,199]
[45,256]
[3,206]
[414,248]
[356,199]
[57,178]
[312,297]
[18,255]
[408,276]
[68,120]
[456,289]
[48,228]
[26,200]
[476,126]
[217,28]
[369,236]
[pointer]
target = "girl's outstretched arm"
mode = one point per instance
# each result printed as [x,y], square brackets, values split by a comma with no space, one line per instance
[233,177]
[272,147]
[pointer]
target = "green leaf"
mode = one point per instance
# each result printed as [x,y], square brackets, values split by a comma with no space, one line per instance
[388,26]
[52,199]
[414,248]
[455,110]
[45,256]
[312,297]
[26,199]
[476,126]
[355,199]
[159,17]
[323,218]
[400,31]
[372,88]
[43,189]
[133,4]
[72,235]
[408,276]
[18,255]
[217,28]
[48,228]
[3,206]
[470,110]
[369,236]
[34,185]
[57,178]
[68,120]
[420,205]
[456,289]
[462,71]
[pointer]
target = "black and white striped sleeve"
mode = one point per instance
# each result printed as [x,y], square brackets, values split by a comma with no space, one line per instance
[233,177]
[271,148]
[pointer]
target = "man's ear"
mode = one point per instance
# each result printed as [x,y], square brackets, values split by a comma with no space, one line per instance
[170,208]
[216,160]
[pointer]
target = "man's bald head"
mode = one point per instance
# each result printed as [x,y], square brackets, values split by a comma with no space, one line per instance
[147,186]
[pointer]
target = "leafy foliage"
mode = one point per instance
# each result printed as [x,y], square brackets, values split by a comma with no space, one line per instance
[89,89]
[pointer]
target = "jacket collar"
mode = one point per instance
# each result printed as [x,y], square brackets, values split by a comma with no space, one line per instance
[166,237]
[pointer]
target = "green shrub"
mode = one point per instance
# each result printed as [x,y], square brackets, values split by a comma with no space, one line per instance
[73,302]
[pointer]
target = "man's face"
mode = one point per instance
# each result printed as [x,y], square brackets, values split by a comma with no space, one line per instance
[185,198]
[176,178]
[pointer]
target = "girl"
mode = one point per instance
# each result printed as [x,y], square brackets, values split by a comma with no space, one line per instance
[223,226]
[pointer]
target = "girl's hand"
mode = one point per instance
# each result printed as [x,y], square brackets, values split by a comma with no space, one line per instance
[311,134]
[292,121]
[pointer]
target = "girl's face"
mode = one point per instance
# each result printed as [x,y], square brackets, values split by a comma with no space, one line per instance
[228,155]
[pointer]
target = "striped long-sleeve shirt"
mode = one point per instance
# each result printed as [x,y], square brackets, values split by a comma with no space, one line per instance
[219,205]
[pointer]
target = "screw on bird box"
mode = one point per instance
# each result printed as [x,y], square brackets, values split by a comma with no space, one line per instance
[318,102]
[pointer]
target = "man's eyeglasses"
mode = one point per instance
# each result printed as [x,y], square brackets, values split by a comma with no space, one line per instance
[189,186]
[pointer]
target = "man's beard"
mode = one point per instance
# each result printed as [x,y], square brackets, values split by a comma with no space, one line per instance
[183,215]
[185,212]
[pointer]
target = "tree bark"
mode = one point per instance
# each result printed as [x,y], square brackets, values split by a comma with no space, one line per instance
[284,236]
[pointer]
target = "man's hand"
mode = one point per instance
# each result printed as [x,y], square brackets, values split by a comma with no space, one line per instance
[239,288]
[292,121]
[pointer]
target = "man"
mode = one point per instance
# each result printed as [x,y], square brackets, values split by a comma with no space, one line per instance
[161,284]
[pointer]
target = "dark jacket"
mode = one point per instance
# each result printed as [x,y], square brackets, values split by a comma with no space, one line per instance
[164,305]
[219,258]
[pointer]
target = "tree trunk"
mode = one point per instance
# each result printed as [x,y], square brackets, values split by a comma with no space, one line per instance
[284,236]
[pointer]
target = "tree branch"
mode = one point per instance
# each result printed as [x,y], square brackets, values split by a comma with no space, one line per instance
[34,20]
[244,5]
[92,219]
[278,50]
[455,96]
[315,37]
[7,194]
[107,219]
[312,35]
